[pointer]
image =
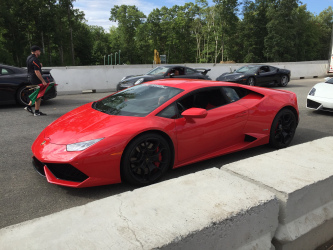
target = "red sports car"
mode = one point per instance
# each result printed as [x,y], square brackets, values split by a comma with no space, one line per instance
[137,134]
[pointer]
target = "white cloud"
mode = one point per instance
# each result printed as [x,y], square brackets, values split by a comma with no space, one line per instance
[97,12]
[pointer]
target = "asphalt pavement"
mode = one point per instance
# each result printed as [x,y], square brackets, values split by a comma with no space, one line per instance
[25,195]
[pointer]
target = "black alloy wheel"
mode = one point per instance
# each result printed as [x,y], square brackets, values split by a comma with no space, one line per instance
[22,95]
[146,159]
[283,129]
[251,81]
[284,81]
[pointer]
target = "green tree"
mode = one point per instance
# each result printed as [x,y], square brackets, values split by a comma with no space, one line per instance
[101,46]
[306,35]
[280,41]
[252,31]
[224,28]
[324,24]
[143,44]
[129,18]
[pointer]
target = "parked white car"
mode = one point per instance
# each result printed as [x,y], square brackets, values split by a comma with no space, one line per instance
[320,96]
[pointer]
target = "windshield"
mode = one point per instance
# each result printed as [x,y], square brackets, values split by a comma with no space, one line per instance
[158,71]
[329,80]
[138,101]
[248,68]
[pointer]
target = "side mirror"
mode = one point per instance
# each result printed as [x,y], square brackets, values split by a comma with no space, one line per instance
[195,113]
[172,75]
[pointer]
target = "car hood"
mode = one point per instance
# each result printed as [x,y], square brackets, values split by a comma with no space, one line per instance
[230,76]
[137,77]
[324,90]
[84,124]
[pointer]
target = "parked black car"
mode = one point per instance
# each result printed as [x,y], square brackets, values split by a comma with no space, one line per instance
[257,75]
[15,87]
[161,72]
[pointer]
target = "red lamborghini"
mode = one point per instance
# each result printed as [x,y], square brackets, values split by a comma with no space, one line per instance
[137,134]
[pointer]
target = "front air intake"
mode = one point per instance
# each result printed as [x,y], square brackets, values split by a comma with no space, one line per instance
[64,172]
[312,104]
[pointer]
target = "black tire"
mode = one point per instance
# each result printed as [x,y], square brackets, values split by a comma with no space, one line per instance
[22,95]
[284,81]
[251,81]
[283,129]
[146,159]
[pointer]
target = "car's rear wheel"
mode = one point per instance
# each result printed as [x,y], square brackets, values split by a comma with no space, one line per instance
[22,95]
[146,159]
[284,81]
[283,129]
[251,81]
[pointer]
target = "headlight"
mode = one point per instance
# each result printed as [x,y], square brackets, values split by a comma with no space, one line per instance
[312,92]
[81,145]
[139,81]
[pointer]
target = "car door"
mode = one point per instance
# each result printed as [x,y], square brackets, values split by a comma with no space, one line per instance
[264,75]
[7,85]
[221,128]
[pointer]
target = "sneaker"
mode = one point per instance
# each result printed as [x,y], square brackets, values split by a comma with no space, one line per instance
[29,109]
[39,114]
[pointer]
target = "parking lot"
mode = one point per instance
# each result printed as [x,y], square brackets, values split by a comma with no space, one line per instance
[26,195]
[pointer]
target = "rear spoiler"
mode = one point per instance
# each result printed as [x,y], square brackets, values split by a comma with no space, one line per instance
[202,70]
[46,71]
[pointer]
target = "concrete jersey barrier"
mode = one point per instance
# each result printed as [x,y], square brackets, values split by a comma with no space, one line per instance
[302,179]
[77,79]
[278,200]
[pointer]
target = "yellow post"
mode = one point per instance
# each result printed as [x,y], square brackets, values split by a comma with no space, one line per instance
[157,59]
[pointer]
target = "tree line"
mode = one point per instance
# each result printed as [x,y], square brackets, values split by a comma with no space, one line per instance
[243,31]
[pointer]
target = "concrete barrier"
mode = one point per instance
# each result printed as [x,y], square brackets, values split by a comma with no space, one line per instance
[106,78]
[302,179]
[284,197]
[211,209]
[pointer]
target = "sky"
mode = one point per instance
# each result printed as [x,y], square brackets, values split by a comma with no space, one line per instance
[97,12]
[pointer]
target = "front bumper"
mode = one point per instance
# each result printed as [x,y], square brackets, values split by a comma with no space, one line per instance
[239,80]
[75,169]
[121,86]
[319,103]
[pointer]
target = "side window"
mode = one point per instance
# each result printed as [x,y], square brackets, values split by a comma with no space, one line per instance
[272,69]
[189,71]
[206,99]
[231,94]
[169,112]
[234,93]
[5,72]
[177,71]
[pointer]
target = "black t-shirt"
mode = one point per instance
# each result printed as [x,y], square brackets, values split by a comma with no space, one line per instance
[32,65]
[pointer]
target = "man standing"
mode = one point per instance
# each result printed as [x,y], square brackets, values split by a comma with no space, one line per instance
[35,78]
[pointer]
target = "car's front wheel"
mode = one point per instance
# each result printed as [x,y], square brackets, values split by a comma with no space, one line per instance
[251,81]
[284,81]
[146,159]
[283,129]
[22,95]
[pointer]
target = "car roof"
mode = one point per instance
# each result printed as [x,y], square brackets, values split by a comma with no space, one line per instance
[15,69]
[190,84]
